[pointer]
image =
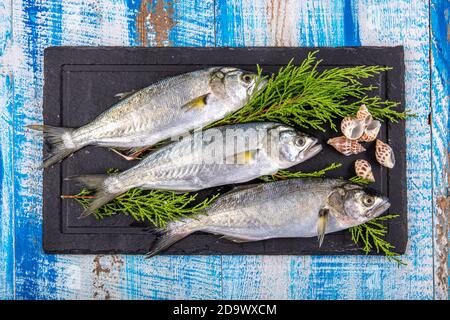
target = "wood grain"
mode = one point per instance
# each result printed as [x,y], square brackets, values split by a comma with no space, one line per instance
[440,105]
[7,68]
[29,26]
[325,22]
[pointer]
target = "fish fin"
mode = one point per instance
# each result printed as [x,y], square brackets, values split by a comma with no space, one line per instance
[91,181]
[60,140]
[236,240]
[245,157]
[123,95]
[168,238]
[322,224]
[102,196]
[197,103]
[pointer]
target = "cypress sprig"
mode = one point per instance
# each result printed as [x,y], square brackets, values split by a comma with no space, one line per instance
[157,207]
[161,207]
[303,96]
[371,233]
[285,174]
[359,180]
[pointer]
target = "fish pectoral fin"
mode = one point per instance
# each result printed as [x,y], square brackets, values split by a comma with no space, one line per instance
[235,240]
[123,95]
[322,224]
[245,157]
[197,103]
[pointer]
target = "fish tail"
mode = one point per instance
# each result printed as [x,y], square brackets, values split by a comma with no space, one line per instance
[60,140]
[102,195]
[175,232]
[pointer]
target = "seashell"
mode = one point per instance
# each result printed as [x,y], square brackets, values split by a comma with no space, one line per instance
[371,132]
[352,128]
[384,154]
[346,146]
[363,113]
[363,169]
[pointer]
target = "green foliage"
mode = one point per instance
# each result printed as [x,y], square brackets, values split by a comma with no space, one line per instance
[303,96]
[157,207]
[285,174]
[371,235]
[359,180]
[162,207]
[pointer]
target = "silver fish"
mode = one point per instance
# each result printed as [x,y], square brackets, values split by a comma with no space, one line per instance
[297,208]
[218,156]
[160,111]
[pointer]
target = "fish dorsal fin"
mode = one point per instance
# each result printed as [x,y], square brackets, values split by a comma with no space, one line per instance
[123,95]
[196,103]
[244,157]
[322,224]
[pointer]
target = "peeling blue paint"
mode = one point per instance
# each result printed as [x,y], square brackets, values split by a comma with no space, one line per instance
[440,74]
[221,23]
[351,28]
[36,273]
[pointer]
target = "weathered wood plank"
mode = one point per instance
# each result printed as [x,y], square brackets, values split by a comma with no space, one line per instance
[182,23]
[107,22]
[7,66]
[38,26]
[174,23]
[310,23]
[35,26]
[440,95]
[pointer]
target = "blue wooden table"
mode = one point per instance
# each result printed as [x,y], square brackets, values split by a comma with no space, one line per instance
[27,27]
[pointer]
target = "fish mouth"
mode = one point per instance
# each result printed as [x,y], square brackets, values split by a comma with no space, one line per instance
[312,150]
[381,208]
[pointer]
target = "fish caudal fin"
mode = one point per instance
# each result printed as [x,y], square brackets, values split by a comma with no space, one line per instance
[60,140]
[170,236]
[102,196]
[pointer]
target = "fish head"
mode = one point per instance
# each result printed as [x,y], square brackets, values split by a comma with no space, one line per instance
[290,147]
[353,205]
[241,85]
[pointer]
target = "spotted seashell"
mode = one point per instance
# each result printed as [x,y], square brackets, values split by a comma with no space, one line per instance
[384,154]
[363,113]
[371,131]
[352,128]
[346,146]
[363,169]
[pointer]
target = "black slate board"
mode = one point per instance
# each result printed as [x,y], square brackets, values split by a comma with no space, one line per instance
[80,83]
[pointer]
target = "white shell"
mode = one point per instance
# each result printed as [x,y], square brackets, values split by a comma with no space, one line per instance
[352,128]
[363,169]
[384,154]
[371,132]
[346,146]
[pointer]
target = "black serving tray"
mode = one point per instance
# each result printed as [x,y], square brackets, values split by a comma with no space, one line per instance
[80,83]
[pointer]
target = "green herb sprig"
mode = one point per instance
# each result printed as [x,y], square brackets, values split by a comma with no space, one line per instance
[162,207]
[303,96]
[157,207]
[371,233]
[285,174]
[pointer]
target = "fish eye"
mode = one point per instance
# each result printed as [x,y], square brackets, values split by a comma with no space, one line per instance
[247,78]
[300,142]
[368,201]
